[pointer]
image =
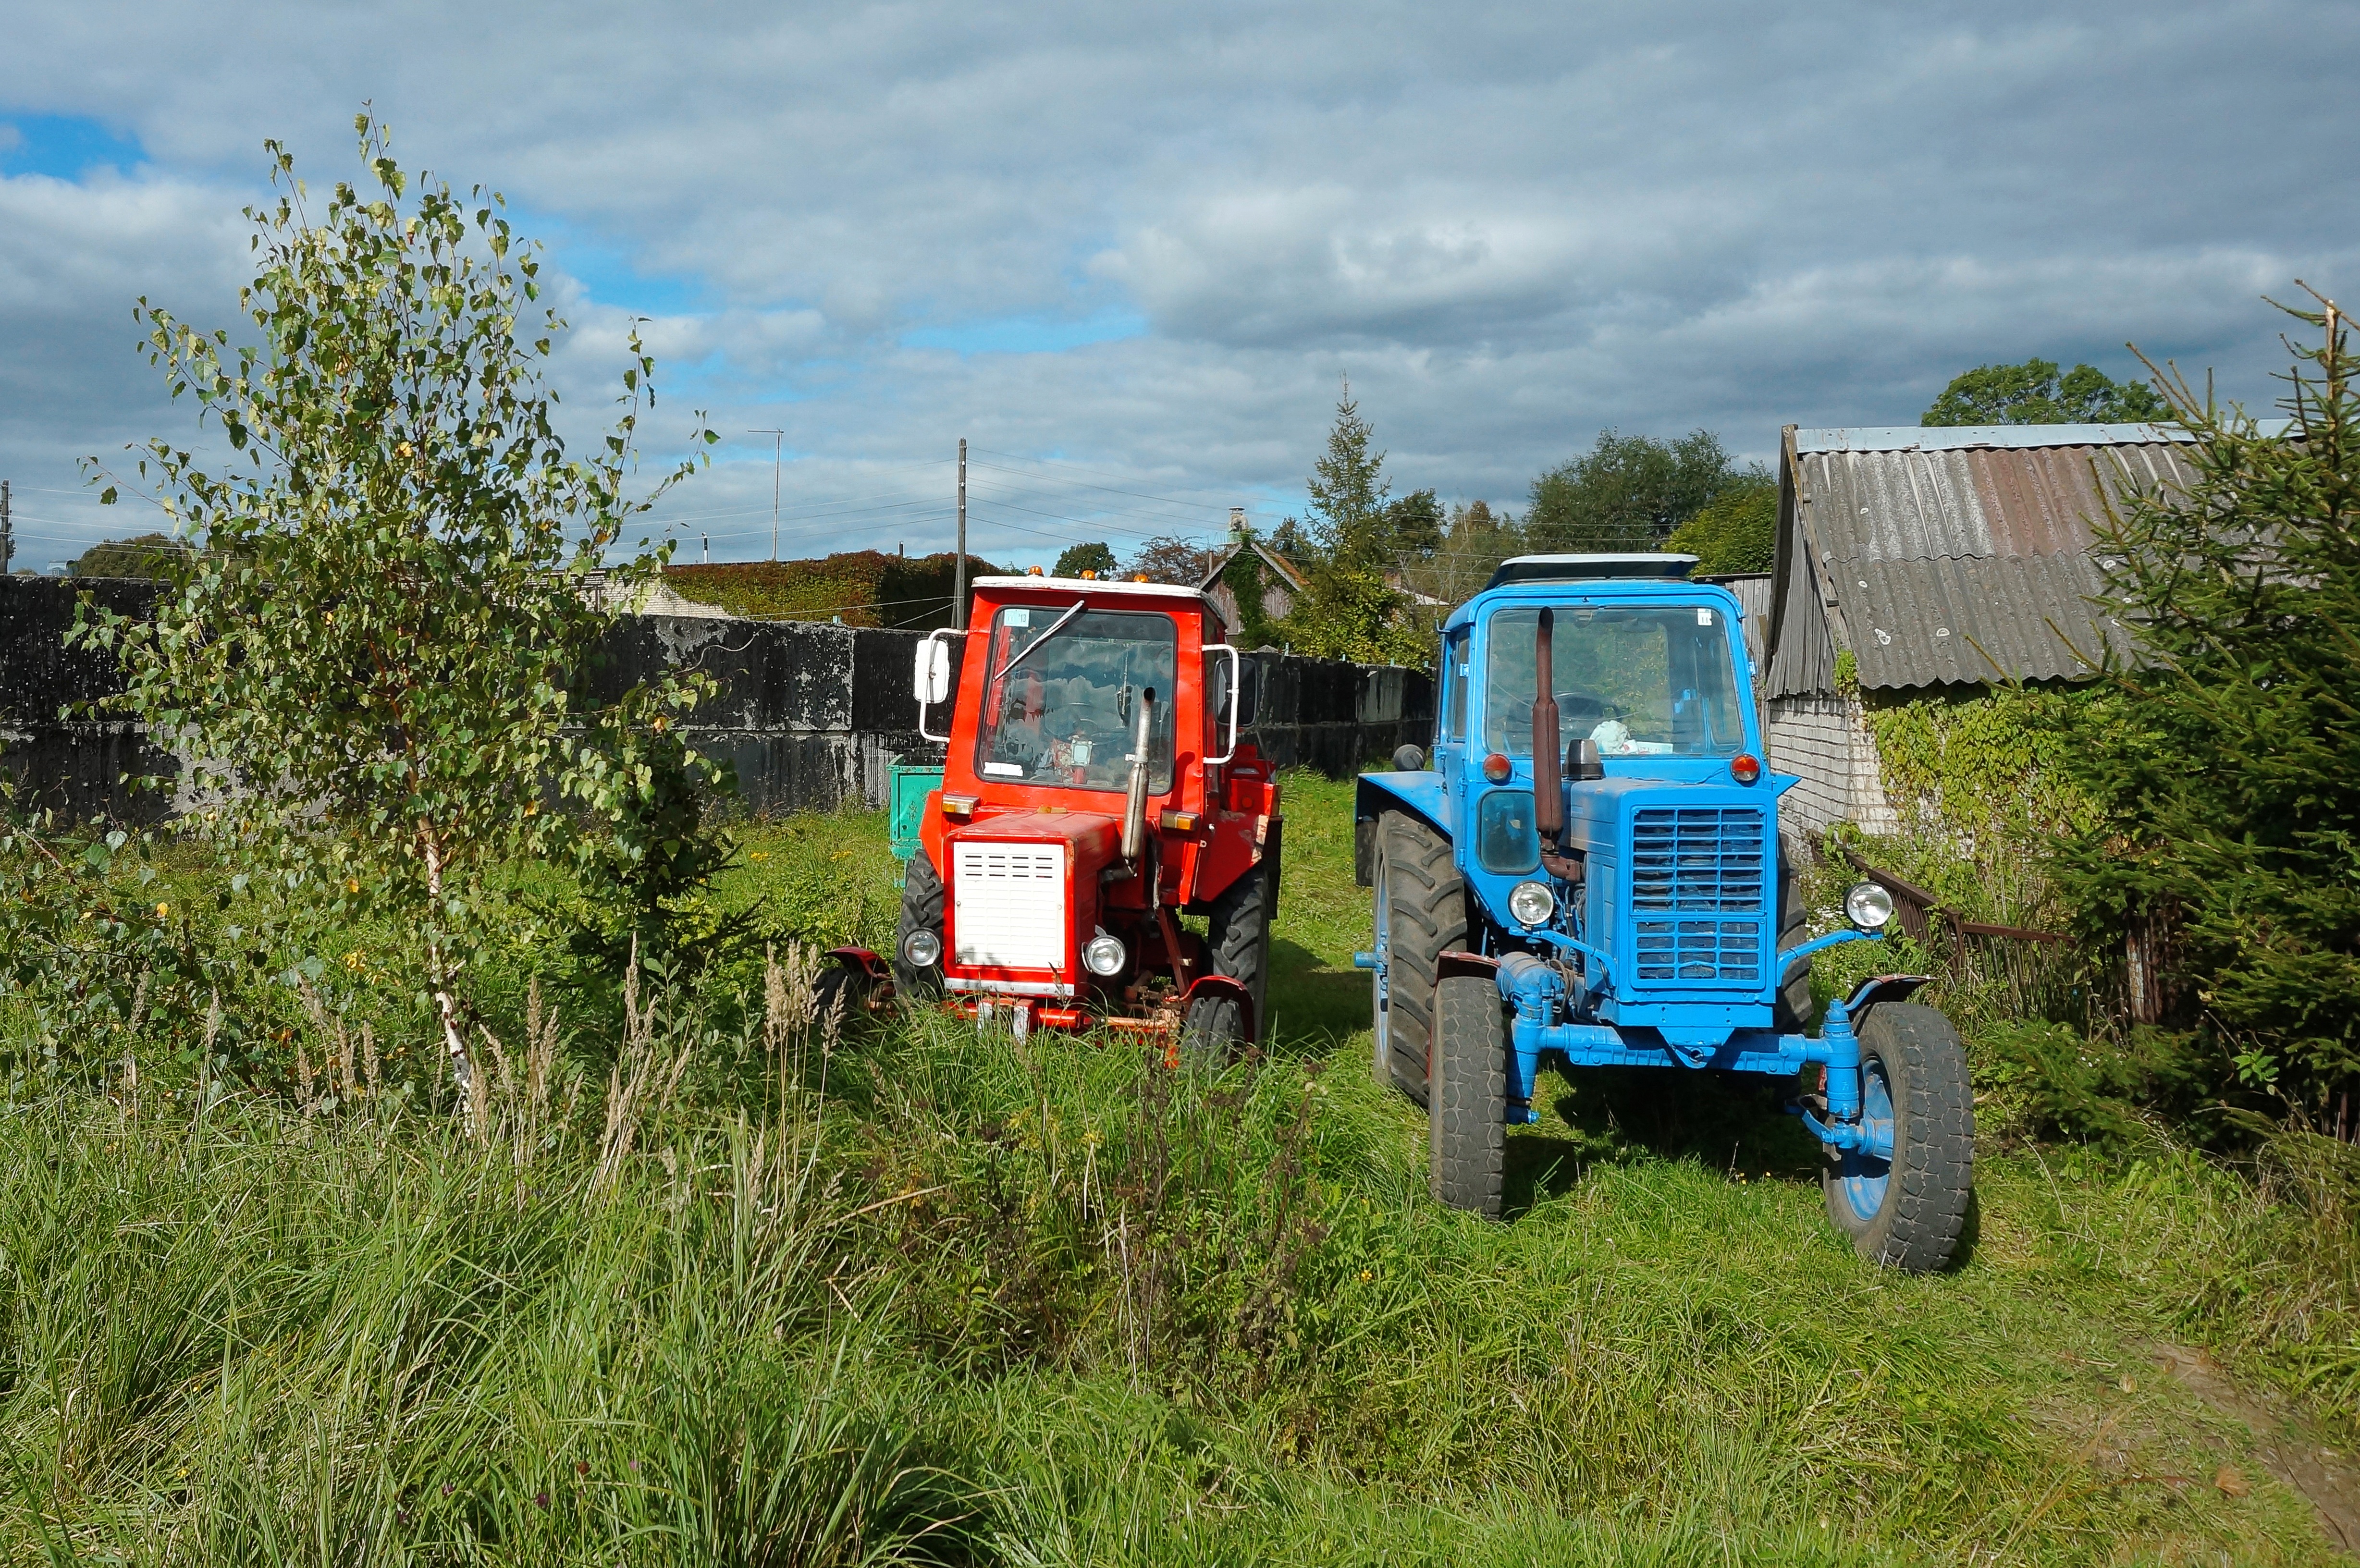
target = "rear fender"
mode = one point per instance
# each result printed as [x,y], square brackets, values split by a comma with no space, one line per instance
[1222,985]
[1419,793]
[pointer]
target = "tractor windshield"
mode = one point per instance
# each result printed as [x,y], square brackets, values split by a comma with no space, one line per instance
[1652,681]
[1064,712]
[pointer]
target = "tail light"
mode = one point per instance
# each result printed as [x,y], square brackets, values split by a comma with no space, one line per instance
[1745,767]
[1496,768]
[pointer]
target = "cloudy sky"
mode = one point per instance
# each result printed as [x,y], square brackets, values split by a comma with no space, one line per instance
[1129,250]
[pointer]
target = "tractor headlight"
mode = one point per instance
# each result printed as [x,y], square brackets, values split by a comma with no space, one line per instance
[1868,905]
[1104,956]
[921,948]
[1532,903]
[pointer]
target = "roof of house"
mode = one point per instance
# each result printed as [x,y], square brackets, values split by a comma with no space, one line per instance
[1951,555]
[1286,569]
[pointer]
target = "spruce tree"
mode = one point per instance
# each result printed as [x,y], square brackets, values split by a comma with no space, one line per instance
[2227,764]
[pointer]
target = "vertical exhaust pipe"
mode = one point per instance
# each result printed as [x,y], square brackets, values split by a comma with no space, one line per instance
[1548,798]
[1134,803]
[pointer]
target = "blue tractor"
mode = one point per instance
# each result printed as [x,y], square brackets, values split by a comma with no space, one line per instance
[1588,872]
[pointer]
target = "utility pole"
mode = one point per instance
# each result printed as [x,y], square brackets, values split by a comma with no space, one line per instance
[958,573]
[777,450]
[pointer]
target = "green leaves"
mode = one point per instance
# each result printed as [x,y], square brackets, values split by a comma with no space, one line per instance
[375,647]
[2228,772]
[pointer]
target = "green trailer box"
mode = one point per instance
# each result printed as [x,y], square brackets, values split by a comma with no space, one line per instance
[912,783]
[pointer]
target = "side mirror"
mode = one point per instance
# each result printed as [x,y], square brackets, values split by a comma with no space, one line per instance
[1408,759]
[934,673]
[1582,762]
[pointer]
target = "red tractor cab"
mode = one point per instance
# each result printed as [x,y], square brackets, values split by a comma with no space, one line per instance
[1095,791]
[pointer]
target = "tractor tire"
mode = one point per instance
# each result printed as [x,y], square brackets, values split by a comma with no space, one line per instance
[1908,1213]
[1237,944]
[1465,1130]
[1213,1030]
[1422,901]
[1791,1013]
[842,991]
[1236,935]
[922,910]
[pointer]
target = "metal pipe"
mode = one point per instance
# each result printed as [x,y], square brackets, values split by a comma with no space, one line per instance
[1548,797]
[1134,803]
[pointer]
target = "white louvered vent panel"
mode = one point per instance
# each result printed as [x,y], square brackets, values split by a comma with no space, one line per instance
[1009,905]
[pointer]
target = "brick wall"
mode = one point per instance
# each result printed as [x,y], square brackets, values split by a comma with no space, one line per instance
[1822,738]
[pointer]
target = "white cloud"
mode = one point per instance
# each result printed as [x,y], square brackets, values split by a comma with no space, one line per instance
[1510,224]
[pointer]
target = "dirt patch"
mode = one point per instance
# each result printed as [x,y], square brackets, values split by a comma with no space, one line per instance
[2285,1445]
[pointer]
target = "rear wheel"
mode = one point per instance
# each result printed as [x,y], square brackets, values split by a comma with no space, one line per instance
[922,910]
[1467,1138]
[1910,1210]
[1422,905]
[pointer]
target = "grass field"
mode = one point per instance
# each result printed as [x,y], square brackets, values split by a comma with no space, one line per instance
[754,1295]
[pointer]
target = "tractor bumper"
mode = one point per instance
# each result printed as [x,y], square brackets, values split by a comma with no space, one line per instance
[1537,991]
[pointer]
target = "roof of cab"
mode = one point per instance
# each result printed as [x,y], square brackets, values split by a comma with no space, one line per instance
[1551,576]
[1577,567]
[1101,585]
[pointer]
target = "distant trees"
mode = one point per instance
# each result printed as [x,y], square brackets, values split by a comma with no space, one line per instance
[1626,492]
[1368,555]
[1737,531]
[159,557]
[1355,534]
[1168,558]
[1077,559]
[1473,543]
[2034,393]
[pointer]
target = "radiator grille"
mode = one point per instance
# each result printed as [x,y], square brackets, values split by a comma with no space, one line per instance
[1008,909]
[1697,891]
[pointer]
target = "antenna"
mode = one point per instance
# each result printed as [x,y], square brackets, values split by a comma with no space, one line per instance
[778,450]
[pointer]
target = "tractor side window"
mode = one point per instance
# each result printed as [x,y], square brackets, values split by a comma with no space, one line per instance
[1454,687]
[1652,681]
[1216,703]
[1064,707]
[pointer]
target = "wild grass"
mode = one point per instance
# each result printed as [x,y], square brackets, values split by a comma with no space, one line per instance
[767,1291]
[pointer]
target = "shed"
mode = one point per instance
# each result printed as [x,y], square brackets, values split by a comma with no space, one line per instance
[1938,557]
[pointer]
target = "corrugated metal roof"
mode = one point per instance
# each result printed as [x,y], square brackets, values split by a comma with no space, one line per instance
[1959,437]
[1933,551]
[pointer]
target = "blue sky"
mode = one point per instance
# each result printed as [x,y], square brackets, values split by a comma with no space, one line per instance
[1132,252]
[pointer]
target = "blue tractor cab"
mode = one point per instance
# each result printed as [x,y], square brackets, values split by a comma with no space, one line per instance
[1587,872]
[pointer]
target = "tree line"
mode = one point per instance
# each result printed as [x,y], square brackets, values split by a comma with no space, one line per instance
[1379,568]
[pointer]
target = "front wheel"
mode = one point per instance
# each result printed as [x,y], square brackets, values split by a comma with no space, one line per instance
[842,993]
[1468,1101]
[1908,1212]
[922,910]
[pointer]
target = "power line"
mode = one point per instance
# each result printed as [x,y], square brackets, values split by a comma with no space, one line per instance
[1107,489]
[1102,472]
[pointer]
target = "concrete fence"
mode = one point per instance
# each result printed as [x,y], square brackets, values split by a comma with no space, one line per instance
[811,714]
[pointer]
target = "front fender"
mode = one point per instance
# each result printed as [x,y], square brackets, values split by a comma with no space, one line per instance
[1420,793]
[1886,988]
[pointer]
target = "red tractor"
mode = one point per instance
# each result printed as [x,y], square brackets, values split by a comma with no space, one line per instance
[1094,792]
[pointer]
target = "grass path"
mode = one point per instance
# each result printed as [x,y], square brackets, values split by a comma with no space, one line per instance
[1667,1240]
